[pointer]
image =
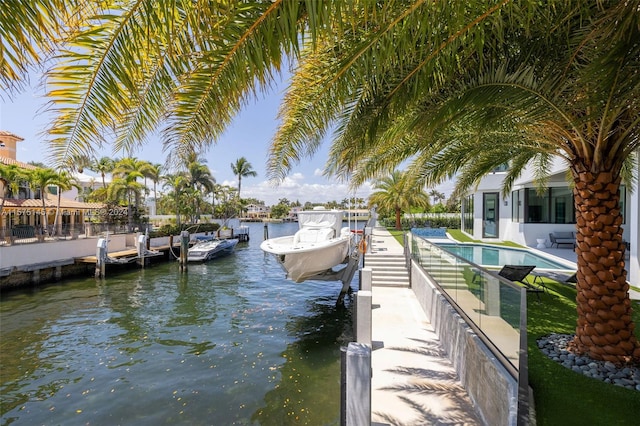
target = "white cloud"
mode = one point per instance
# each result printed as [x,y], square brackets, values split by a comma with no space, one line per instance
[294,189]
[317,172]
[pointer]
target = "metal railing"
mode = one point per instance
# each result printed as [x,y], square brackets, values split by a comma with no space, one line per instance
[29,234]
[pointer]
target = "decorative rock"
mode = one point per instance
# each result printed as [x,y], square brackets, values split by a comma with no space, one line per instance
[555,346]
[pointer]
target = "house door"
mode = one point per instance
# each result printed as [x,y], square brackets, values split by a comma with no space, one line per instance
[490,215]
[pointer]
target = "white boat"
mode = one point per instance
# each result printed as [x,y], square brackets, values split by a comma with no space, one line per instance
[320,244]
[209,249]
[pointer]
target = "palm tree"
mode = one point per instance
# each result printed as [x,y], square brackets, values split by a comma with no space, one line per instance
[397,194]
[201,181]
[126,173]
[126,186]
[497,91]
[155,174]
[103,166]
[10,177]
[454,86]
[64,182]
[436,195]
[176,184]
[242,168]
[42,179]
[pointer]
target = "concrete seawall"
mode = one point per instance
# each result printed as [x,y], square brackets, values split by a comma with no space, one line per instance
[31,264]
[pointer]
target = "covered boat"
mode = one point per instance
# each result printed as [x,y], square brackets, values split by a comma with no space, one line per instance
[208,249]
[320,244]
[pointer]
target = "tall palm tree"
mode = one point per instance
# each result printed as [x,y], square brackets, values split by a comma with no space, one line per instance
[398,80]
[155,174]
[397,194]
[242,168]
[436,195]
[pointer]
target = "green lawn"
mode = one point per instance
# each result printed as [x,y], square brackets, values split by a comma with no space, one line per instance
[563,397]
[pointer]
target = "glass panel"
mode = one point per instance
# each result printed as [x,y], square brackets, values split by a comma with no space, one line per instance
[537,206]
[489,302]
[562,210]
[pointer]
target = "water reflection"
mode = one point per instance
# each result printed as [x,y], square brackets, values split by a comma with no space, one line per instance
[311,358]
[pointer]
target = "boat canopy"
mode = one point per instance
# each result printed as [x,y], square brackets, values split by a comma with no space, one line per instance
[316,219]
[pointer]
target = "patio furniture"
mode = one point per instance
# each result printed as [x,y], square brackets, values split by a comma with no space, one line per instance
[518,273]
[556,276]
[558,238]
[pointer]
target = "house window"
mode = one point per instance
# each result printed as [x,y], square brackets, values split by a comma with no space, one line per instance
[553,205]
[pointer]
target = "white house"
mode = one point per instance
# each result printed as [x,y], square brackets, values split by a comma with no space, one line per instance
[525,215]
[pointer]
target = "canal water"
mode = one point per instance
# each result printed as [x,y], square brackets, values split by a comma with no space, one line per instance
[231,342]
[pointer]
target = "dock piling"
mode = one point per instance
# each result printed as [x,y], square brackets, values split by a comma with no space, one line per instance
[101,257]
[184,248]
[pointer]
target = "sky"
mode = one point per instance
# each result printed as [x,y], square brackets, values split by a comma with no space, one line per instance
[248,136]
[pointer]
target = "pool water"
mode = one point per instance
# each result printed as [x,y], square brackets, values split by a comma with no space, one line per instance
[498,256]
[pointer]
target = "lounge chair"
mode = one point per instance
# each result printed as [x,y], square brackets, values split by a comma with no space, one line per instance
[518,273]
[556,276]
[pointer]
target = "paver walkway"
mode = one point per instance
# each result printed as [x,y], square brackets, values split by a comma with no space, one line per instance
[413,382]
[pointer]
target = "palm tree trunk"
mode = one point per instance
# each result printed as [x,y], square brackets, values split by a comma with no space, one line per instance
[45,217]
[55,221]
[605,328]
[3,224]
[129,212]
[398,221]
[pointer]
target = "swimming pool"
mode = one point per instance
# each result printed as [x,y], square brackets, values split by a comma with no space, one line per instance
[486,255]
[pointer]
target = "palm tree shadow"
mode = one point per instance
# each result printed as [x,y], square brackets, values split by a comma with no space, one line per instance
[448,402]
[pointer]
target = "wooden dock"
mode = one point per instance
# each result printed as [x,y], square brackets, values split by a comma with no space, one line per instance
[131,253]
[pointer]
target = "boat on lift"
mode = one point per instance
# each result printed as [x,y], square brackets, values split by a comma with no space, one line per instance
[210,248]
[320,243]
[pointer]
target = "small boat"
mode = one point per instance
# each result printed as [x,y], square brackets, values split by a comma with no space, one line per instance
[207,249]
[319,244]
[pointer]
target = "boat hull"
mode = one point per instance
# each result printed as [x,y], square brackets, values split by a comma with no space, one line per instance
[208,250]
[303,261]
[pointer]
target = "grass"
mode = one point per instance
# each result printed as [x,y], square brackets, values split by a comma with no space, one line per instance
[464,238]
[561,396]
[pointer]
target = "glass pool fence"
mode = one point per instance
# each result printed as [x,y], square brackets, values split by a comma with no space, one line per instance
[493,306]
